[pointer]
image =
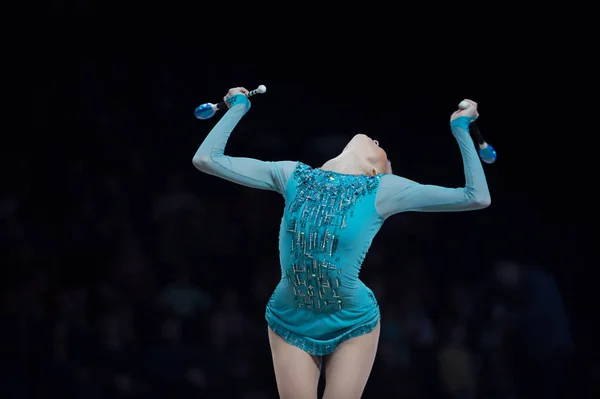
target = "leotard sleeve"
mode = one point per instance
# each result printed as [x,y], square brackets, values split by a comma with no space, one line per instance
[397,194]
[211,159]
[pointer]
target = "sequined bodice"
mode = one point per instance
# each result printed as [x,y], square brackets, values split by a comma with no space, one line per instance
[325,232]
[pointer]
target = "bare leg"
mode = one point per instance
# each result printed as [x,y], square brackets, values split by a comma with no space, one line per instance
[348,368]
[297,372]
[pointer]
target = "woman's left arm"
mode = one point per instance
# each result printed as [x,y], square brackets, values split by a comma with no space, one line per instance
[397,194]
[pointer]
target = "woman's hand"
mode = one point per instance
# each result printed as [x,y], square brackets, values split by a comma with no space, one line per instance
[470,111]
[234,92]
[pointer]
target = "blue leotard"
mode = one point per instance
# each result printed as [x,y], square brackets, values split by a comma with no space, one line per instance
[329,222]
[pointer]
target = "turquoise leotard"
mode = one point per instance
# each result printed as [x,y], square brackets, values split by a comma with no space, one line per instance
[329,222]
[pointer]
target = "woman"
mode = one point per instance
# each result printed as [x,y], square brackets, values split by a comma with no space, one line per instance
[332,213]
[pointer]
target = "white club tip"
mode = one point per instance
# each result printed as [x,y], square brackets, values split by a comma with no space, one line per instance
[261,89]
[464,105]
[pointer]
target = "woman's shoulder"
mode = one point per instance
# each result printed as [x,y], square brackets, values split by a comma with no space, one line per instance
[302,171]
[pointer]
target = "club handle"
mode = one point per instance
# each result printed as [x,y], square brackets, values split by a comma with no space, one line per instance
[474,129]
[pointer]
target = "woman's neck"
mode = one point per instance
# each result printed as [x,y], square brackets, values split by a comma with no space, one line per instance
[347,163]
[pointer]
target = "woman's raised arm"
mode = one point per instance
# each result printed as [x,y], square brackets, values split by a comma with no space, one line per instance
[397,194]
[211,159]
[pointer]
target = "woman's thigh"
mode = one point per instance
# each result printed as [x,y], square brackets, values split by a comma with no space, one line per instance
[297,372]
[348,368]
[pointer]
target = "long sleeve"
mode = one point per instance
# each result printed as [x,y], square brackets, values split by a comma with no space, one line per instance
[211,159]
[397,194]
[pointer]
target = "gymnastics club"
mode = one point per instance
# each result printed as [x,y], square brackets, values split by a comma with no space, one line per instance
[486,151]
[208,110]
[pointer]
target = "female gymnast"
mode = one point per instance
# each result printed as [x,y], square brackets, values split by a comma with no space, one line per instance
[332,213]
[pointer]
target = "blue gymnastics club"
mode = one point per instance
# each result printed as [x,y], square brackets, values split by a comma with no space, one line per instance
[208,110]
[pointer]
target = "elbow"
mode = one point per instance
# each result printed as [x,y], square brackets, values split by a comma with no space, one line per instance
[202,162]
[481,201]
[477,199]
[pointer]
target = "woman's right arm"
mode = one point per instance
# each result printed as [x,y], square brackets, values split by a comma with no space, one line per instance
[211,159]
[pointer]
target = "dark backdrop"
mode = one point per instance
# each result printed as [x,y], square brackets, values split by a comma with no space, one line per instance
[106,218]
